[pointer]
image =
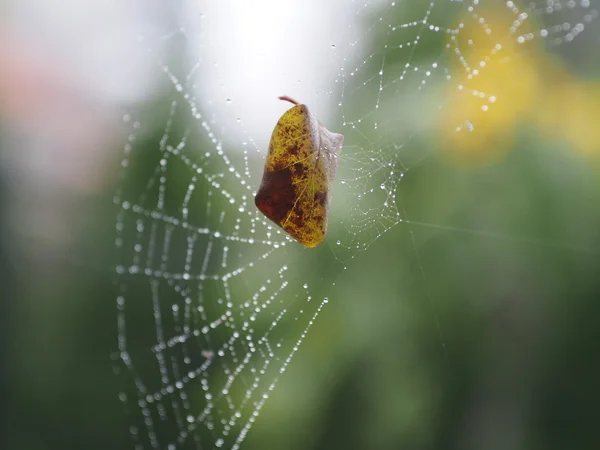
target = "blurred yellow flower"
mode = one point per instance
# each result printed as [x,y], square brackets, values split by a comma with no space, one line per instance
[570,111]
[494,86]
[503,80]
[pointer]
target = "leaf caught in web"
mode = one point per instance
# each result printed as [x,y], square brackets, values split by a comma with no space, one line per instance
[299,171]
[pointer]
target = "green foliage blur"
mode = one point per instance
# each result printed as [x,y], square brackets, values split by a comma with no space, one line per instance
[473,324]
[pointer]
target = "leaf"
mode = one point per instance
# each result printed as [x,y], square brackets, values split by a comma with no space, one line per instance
[295,190]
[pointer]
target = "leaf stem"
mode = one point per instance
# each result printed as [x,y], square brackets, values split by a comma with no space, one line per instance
[288,99]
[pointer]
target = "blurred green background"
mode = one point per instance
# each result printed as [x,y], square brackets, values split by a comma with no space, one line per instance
[473,324]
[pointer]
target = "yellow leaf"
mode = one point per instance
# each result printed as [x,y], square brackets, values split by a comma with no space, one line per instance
[295,190]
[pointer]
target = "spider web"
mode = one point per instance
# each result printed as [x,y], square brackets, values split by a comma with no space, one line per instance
[213,302]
